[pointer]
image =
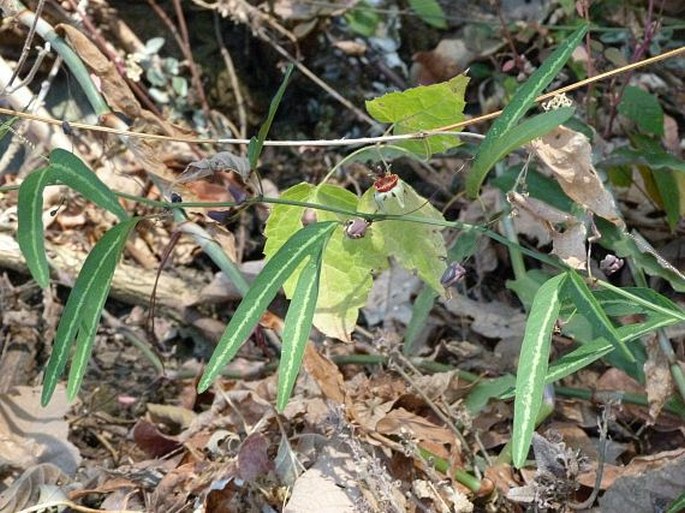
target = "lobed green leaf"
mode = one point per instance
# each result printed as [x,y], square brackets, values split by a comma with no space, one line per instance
[423,108]
[532,366]
[519,105]
[305,243]
[643,108]
[82,312]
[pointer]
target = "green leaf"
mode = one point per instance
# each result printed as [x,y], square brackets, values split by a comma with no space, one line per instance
[487,389]
[254,149]
[588,306]
[423,108]
[532,366]
[348,265]
[30,225]
[430,12]
[667,185]
[305,243]
[418,247]
[519,105]
[678,505]
[642,108]
[6,126]
[655,158]
[67,168]
[363,19]
[636,301]
[298,324]
[578,359]
[82,311]
[423,304]
[528,130]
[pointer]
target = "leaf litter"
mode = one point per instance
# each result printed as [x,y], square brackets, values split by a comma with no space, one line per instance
[353,438]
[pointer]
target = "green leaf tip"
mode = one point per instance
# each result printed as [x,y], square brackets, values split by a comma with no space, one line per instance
[307,242]
[519,105]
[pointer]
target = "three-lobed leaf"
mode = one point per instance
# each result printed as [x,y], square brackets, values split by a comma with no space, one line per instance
[519,105]
[347,266]
[532,366]
[305,243]
[423,108]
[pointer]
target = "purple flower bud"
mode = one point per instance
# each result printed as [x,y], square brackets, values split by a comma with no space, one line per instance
[453,274]
[610,264]
[356,228]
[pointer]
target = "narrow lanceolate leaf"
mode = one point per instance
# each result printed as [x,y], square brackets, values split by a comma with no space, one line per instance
[519,105]
[588,306]
[525,132]
[113,243]
[305,243]
[298,324]
[254,149]
[532,366]
[30,225]
[82,311]
[68,169]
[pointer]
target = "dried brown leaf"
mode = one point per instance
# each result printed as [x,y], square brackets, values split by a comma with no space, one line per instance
[659,382]
[568,155]
[253,460]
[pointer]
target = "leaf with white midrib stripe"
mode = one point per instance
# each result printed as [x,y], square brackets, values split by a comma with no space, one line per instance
[306,242]
[532,366]
[298,324]
[519,105]
[83,308]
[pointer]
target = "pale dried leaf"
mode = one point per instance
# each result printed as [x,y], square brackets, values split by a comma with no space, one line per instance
[569,156]
[329,486]
[569,246]
[31,487]
[31,434]
[402,422]
[114,88]
[171,414]
[221,161]
[659,382]
[390,297]
[325,373]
